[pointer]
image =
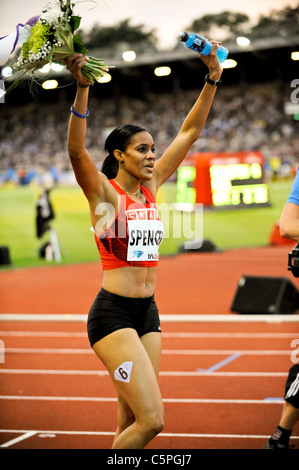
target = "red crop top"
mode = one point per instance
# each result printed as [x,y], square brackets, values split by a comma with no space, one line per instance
[134,236]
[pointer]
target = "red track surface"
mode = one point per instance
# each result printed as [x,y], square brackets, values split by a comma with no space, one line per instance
[55,393]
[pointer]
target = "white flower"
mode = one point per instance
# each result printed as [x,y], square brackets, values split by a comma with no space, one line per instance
[52,14]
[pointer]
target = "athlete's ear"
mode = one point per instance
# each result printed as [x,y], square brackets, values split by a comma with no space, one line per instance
[118,155]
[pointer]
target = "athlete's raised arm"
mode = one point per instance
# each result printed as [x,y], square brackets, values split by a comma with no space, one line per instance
[193,124]
[89,178]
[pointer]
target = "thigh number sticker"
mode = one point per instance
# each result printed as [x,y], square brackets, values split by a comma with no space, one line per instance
[123,372]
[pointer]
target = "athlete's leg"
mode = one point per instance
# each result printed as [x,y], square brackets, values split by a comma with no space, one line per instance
[289,417]
[152,344]
[125,416]
[141,393]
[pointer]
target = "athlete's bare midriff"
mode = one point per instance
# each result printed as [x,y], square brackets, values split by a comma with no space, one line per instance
[130,281]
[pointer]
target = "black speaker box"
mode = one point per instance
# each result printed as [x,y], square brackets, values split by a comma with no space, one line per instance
[4,255]
[265,295]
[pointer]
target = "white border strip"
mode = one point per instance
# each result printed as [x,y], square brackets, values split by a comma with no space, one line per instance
[231,318]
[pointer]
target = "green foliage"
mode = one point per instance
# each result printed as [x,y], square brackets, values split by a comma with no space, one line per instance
[78,45]
[123,31]
[75,22]
[233,22]
[282,22]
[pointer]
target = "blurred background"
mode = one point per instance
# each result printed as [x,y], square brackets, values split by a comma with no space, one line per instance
[155,82]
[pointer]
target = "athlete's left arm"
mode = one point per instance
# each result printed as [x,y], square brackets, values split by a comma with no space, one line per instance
[192,126]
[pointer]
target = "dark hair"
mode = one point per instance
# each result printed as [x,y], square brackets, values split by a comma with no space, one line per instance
[118,139]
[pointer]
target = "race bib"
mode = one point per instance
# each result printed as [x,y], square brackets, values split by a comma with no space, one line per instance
[145,234]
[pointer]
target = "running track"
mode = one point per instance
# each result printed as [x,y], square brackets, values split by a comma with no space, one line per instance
[222,374]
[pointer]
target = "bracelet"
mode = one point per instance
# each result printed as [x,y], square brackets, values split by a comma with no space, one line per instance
[212,82]
[78,114]
[83,86]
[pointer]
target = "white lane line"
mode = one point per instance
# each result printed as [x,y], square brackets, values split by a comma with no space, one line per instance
[53,372]
[229,335]
[183,352]
[166,373]
[48,351]
[162,434]
[227,352]
[44,334]
[24,436]
[165,400]
[176,318]
[66,334]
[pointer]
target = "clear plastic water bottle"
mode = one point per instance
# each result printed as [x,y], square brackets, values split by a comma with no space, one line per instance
[200,44]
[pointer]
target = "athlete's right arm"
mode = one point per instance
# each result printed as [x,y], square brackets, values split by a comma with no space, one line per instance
[92,181]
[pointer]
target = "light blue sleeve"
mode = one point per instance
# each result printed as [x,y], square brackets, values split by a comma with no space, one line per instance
[294,194]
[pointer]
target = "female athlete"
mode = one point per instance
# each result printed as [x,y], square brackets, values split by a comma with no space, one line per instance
[123,322]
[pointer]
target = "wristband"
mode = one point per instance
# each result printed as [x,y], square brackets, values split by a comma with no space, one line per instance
[78,114]
[83,86]
[212,82]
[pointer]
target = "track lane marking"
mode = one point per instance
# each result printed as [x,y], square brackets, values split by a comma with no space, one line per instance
[226,352]
[221,363]
[65,334]
[162,434]
[166,373]
[24,436]
[175,318]
[114,399]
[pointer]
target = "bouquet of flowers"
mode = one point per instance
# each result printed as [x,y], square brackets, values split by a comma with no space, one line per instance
[48,38]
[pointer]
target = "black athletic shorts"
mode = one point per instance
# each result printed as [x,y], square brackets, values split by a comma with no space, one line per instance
[110,312]
[292,386]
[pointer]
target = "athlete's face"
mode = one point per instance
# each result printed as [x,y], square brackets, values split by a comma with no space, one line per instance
[139,158]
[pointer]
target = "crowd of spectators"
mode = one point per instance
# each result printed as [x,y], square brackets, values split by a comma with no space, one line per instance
[252,117]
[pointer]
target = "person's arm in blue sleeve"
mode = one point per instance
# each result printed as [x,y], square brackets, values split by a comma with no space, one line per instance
[289,221]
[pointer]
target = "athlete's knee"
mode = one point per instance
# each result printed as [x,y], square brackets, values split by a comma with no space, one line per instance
[158,424]
[153,423]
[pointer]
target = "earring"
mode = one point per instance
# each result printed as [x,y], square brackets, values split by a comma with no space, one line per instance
[121,162]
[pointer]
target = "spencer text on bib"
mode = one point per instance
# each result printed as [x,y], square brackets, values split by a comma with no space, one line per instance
[145,232]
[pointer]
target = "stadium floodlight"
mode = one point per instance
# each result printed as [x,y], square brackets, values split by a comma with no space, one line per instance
[242,41]
[50,84]
[129,56]
[162,71]
[105,78]
[229,64]
[295,55]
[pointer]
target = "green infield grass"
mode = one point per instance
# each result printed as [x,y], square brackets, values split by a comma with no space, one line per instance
[227,229]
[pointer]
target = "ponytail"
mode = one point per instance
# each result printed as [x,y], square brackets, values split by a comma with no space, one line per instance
[110,167]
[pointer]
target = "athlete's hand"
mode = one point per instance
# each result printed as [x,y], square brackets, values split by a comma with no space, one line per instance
[74,64]
[212,62]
